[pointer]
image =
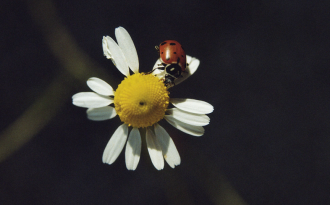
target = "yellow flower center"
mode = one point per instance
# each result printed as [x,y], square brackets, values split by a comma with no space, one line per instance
[141,100]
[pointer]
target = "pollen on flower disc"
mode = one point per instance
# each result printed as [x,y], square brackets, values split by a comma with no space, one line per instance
[141,100]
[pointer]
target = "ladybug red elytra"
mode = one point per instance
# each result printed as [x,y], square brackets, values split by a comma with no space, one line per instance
[173,59]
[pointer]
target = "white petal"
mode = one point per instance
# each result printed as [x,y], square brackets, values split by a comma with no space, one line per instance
[189,129]
[102,113]
[90,100]
[159,73]
[106,51]
[115,144]
[191,105]
[193,64]
[189,118]
[133,149]
[100,86]
[188,58]
[126,44]
[191,69]
[154,150]
[170,152]
[156,64]
[116,54]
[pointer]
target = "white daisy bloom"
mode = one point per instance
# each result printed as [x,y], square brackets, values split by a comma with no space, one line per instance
[141,101]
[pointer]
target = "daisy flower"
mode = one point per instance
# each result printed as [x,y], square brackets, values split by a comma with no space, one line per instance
[141,101]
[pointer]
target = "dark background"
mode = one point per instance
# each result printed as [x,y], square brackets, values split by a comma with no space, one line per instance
[264,67]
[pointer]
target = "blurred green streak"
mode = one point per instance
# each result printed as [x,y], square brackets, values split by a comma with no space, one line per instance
[76,66]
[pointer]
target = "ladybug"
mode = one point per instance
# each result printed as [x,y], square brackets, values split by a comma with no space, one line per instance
[173,59]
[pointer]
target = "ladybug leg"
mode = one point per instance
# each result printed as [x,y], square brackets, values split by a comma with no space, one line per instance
[172,77]
[159,66]
[157,48]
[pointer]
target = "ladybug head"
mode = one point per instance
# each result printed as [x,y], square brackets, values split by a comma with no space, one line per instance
[173,70]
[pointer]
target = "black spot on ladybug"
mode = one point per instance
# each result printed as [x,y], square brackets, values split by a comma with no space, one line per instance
[172,44]
[182,56]
[163,43]
[162,52]
[174,52]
